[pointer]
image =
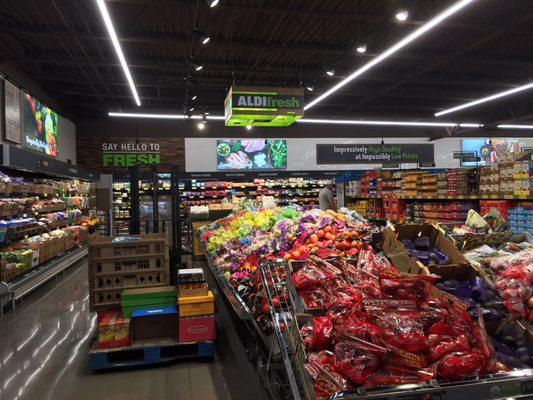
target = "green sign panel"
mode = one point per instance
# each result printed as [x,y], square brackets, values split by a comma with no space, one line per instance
[255,106]
[123,160]
[127,154]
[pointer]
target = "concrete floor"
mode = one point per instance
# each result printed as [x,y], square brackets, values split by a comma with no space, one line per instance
[43,356]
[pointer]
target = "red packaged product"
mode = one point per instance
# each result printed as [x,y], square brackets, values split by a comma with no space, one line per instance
[357,327]
[402,330]
[309,277]
[322,333]
[358,359]
[456,366]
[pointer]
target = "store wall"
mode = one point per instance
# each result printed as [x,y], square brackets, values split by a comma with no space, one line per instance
[301,153]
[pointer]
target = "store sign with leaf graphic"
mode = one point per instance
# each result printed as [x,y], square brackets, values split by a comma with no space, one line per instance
[263,106]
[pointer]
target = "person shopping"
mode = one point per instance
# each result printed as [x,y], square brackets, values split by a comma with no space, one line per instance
[326,201]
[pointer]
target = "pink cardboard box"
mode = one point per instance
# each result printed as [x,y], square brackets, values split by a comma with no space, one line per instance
[197,329]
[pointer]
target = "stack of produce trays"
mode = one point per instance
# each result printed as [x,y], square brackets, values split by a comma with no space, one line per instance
[371,325]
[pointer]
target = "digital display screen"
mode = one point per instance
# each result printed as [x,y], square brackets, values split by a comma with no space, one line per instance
[40,126]
[251,154]
[489,150]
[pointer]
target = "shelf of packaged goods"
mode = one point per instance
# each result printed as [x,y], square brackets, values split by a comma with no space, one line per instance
[41,274]
[447,197]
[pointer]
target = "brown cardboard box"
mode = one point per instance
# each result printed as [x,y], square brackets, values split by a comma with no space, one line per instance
[193,289]
[395,251]
[158,322]
[436,239]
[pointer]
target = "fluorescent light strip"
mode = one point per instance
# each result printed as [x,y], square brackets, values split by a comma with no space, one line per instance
[398,46]
[512,126]
[303,120]
[163,116]
[388,123]
[114,39]
[486,99]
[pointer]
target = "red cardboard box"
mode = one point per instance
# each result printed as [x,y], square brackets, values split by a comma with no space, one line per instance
[197,329]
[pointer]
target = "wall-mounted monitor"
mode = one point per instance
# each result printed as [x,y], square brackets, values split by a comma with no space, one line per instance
[251,154]
[40,125]
[489,150]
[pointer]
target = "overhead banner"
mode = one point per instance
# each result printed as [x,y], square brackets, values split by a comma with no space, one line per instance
[374,153]
[263,106]
[12,112]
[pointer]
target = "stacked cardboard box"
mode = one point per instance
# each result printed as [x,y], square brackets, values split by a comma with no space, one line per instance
[196,307]
[125,262]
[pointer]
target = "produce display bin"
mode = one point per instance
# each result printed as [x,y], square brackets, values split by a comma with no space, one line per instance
[288,318]
[269,361]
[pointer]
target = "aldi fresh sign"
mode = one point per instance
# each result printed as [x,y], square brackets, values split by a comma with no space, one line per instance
[262,106]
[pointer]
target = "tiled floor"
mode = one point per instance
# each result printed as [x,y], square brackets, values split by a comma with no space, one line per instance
[43,356]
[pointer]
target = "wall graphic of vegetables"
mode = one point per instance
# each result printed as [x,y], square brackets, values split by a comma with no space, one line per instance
[236,154]
[41,126]
[278,153]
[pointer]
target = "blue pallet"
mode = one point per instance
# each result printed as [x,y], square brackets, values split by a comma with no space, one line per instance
[148,354]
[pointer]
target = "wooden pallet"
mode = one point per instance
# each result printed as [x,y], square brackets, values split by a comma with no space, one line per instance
[147,352]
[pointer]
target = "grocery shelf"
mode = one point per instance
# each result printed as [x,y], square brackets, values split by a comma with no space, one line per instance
[458,197]
[38,276]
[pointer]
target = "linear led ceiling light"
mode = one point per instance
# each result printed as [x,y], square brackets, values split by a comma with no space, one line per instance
[428,26]
[163,116]
[486,99]
[513,126]
[304,120]
[118,49]
[388,123]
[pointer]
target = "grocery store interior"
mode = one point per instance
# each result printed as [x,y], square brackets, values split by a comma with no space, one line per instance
[244,199]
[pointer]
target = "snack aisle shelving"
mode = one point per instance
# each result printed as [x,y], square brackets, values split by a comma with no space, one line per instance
[437,195]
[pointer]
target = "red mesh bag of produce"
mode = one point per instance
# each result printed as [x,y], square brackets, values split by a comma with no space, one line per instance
[403,330]
[309,277]
[322,333]
[456,366]
[358,359]
[355,325]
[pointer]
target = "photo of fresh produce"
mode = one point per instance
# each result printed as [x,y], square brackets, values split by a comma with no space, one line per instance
[490,150]
[40,126]
[252,154]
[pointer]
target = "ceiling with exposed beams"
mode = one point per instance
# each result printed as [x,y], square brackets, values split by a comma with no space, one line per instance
[484,49]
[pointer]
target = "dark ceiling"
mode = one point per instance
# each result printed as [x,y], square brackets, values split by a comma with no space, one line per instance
[484,49]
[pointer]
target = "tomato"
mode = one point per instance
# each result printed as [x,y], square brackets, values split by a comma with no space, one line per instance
[360,245]
[355,235]
[369,248]
[296,254]
[328,229]
[328,243]
[314,238]
[265,308]
[275,302]
[320,233]
[345,244]
[354,243]
[287,256]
